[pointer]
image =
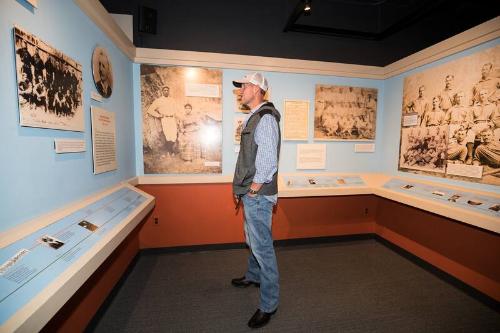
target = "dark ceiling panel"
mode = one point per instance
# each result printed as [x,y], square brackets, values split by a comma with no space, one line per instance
[394,29]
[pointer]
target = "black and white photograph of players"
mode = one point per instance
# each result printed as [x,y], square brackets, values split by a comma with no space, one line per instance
[51,242]
[88,225]
[345,113]
[464,96]
[424,148]
[181,133]
[49,85]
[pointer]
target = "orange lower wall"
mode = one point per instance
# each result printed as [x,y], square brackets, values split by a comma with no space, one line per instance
[76,314]
[464,251]
[196,214]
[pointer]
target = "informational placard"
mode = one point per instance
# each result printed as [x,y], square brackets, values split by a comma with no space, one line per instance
[95,96]
[69,146]
[296,120]
[364,148]
[31,264]
[311,156]
[472,171]
[410,119]
[103,140]
[202,90]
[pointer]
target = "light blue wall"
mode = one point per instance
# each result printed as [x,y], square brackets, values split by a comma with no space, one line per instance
[33,179]
[393,97]
[340,155]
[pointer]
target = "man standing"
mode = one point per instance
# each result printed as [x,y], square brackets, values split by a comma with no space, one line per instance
[436,116]
[420,105]
[164,108]
[448,94]
[487,82]
[255,182]
[488,152]
[481,114]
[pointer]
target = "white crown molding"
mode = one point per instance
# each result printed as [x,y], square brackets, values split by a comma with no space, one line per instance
[235,61]
[482,33]
[100,16]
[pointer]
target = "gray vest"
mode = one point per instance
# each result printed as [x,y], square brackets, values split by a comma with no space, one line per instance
[245,166]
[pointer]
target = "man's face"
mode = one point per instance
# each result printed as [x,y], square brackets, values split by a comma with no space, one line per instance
[435,102]
[188,109]
[448,81]
[461,135]
[421,91]
[103,71]
[488,137]
[460,98]
[165,91]
[483,95]
[485,70]
[247,92]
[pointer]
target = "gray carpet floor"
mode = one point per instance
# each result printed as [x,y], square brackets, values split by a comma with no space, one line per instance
[358,286]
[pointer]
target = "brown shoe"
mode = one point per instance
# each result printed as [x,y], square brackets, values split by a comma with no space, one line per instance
[260,319]
[243,283]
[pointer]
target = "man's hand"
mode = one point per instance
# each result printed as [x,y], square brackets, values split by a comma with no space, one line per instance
[251,195]
[237,201]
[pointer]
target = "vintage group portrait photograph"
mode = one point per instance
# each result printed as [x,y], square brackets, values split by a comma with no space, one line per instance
[460,98]
[345,113]
[182,119]
[49,85]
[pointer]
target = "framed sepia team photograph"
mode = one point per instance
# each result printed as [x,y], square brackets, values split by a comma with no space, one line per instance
[182,119]
[102,72]
[237,128]
[461,98]
[424,149]
[345,113]
[49,85]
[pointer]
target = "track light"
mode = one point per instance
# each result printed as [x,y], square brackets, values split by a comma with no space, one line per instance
[307,7]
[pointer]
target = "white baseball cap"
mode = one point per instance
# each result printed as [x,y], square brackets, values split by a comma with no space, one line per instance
[254,78]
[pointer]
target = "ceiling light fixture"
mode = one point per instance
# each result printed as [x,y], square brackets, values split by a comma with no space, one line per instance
[307,7]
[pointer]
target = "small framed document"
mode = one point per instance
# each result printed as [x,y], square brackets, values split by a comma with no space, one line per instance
[471,171]
[311,156]
[103,140]
[410,119]
[296,120]
[202,90]
[62,146]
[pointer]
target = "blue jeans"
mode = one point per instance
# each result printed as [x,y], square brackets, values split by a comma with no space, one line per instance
[262,265]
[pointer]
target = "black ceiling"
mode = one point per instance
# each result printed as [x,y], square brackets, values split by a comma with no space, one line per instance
[364,32]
